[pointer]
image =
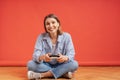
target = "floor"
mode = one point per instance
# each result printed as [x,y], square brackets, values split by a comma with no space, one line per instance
[83,73]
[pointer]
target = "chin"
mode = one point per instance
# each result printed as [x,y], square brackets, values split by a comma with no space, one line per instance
[52,32]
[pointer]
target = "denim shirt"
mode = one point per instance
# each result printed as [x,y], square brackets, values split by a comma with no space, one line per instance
[64,46]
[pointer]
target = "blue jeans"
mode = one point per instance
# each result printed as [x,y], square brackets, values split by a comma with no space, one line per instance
[57,70]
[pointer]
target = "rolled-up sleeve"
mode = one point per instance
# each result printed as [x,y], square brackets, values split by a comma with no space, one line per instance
[70,52]
[38,49]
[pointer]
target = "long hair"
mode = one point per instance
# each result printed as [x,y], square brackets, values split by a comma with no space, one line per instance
[55,17]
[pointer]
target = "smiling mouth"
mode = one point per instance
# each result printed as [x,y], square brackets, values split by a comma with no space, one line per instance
[51,29]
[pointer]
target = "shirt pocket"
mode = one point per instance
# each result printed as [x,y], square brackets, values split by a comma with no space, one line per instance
[61,49]
[46,48]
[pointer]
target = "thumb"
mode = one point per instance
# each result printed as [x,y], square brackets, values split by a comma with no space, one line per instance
[60,54]
[49,54]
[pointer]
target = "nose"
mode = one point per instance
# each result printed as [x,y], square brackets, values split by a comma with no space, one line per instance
[51,24]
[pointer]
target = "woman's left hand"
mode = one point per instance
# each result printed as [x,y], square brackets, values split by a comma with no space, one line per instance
[62,58]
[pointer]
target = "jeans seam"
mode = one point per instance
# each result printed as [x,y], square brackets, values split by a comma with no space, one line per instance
[53,74]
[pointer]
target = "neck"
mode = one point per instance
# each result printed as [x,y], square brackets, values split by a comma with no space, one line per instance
[53,36]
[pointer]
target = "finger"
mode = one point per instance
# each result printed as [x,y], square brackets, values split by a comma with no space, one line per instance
[49,54]
[61,61]
[60,54]
[59,58]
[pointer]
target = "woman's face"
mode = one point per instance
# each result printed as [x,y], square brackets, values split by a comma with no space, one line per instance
[51,25]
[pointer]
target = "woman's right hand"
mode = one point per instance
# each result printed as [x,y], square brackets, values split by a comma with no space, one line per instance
[46,57]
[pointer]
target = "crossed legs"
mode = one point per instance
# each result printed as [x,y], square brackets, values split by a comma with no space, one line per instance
[46,70]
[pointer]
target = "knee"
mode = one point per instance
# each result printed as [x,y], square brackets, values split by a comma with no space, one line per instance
[31,65]
[74,65]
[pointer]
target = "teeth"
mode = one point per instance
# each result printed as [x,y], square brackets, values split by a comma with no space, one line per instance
[51,29]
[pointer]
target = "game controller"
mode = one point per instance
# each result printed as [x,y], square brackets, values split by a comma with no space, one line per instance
[54,56]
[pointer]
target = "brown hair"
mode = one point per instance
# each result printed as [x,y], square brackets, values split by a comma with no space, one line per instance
[55,17]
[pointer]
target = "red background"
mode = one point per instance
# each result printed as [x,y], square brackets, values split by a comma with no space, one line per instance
[93,24]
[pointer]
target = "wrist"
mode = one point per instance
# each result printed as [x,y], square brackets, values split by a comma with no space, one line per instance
[66,59]
[42,57]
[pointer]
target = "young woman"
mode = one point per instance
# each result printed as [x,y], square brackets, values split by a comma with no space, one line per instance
[54,43]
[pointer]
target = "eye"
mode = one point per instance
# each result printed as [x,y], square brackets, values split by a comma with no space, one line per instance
[47,23]
[53,22]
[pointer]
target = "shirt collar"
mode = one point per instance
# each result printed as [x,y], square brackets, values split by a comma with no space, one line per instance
[60,37]
[47,37]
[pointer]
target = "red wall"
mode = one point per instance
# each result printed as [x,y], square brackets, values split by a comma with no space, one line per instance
[93,24]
